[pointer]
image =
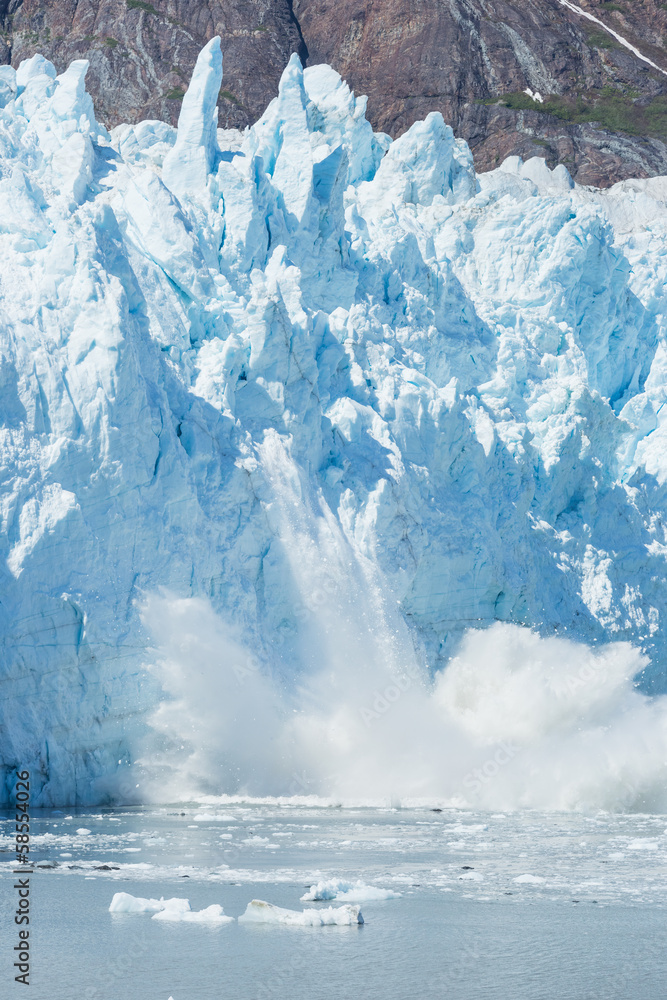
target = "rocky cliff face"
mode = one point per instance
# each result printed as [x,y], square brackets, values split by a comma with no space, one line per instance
[603,111]
[142,54]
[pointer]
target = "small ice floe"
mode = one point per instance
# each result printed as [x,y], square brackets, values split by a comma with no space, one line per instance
[529,879]
[123,902]
[214,818]
[173,910]
[260,912]
[642,844]
[348,892]
[82,831]
[473,877]
[468,828]
[213,914]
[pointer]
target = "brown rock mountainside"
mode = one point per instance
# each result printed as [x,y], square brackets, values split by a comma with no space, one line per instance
[604,112]
[142,54]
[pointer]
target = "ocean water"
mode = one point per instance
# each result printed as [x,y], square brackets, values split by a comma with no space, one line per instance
[494,905]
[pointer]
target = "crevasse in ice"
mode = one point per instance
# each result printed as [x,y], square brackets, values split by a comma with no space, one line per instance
[470,371]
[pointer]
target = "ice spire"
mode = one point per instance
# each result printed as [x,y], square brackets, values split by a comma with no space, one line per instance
[191,160]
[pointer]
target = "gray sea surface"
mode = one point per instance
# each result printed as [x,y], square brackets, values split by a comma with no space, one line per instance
[516,906]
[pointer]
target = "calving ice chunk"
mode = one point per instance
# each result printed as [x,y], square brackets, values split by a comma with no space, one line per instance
[300,402]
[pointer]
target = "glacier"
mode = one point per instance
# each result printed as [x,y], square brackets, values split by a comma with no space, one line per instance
[257,387]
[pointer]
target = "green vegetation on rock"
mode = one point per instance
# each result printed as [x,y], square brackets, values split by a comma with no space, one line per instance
[141,5]
[608,107]
[228,96]
[602,40]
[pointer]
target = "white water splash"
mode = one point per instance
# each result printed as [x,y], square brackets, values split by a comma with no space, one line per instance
[515,720]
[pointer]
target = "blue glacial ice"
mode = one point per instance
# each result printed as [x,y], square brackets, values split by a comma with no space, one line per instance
[303,389]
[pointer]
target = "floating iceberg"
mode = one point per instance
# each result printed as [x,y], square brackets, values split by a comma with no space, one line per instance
[466,376]
[349,892]
[123,902]
[213,914]
[259,912]
[172,910]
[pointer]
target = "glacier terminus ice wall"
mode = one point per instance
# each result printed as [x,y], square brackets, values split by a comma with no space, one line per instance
[279,373]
